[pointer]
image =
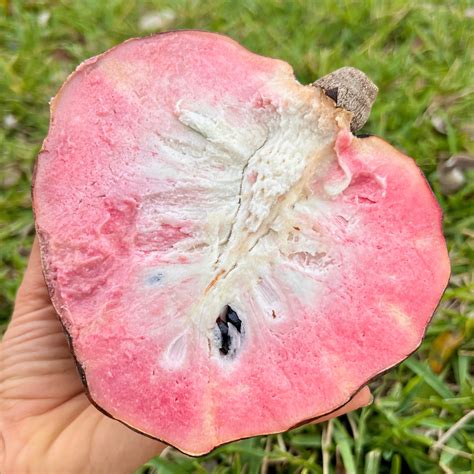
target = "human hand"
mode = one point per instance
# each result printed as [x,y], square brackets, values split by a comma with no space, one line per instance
[47,424]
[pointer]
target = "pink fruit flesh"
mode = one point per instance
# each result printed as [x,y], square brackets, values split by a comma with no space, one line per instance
[183,173]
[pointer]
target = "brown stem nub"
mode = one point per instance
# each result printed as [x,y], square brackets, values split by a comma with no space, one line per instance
[352,90]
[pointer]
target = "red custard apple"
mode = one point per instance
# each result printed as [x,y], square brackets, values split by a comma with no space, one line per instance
[227,259]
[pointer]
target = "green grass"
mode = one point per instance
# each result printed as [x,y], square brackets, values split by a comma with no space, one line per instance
[420,54]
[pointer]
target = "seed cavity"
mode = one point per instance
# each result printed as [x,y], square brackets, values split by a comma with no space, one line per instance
[175,355]
[229,331]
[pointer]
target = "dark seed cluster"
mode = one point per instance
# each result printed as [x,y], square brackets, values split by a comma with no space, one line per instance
[226,317]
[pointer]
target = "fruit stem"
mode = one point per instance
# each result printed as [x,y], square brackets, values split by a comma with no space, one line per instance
[352,90]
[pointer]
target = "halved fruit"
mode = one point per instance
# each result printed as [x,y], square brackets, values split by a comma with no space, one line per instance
[227,259]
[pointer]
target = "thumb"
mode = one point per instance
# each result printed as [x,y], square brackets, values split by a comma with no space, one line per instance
[33,293]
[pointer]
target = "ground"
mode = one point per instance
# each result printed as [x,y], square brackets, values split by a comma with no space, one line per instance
[420,55]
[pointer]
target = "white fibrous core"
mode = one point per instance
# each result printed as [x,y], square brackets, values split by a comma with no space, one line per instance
[242,198]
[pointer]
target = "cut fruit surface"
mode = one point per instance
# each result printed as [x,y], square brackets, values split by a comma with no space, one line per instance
[227,259]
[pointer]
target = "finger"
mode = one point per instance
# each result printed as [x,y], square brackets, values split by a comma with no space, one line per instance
[131,449]
[33,293]
[361,399]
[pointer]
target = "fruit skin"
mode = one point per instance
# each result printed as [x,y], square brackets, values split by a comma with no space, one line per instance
[343,145]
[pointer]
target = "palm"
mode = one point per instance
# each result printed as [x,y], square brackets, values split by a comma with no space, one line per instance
[45,414]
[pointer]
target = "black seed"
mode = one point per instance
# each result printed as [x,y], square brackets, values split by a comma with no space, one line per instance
[223,327]
[233,318]
[228,315]
[364,135]
[332,93]
[225,338]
